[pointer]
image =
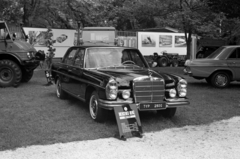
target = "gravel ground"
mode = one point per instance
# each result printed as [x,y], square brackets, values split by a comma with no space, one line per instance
[218,140]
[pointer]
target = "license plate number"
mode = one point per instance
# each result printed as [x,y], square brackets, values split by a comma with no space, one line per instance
[152,106]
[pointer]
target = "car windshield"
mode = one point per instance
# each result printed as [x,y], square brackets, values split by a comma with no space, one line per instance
[114,57]
[215,53]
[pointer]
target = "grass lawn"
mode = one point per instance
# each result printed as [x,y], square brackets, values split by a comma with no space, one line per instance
[32,114]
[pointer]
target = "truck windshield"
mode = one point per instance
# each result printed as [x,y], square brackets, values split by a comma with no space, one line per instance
[215,53]
[4,33]
[109,57]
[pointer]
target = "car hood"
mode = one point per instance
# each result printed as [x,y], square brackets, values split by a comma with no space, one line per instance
[124,77]
[22,45]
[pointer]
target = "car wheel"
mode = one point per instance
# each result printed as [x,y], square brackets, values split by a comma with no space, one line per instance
[167,113]
[220,80]
[27,76]
[60,93]
[95,111]
[163,62]
[10,73]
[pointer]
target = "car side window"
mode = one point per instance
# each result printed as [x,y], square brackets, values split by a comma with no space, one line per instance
[69,59]
[235,54]
[136,58]
[79,58]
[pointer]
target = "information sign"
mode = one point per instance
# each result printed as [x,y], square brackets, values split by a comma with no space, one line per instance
[129,124]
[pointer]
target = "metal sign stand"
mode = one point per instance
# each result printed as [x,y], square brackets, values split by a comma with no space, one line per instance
[128,121]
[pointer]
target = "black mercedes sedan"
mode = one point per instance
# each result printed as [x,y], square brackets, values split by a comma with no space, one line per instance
[106,77]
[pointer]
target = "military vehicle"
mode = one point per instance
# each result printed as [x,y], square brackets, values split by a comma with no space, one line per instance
[17,56]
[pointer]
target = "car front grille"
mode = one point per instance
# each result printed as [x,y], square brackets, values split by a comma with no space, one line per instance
[148,90]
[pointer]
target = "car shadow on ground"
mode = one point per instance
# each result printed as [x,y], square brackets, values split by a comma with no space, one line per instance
[203,84]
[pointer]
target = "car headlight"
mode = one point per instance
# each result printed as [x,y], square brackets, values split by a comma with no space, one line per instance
[183,93]
[111,89]
[182,88]
[172,93]
[29,55]
[187,62]
[125,94]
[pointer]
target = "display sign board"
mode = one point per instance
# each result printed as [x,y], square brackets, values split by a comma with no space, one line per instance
[129,124]
[159,42]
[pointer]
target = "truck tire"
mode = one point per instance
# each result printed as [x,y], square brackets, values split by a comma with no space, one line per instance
[163,62]
[27,76]
[10,73]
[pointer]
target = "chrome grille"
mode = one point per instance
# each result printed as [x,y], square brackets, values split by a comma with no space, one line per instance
[148,90]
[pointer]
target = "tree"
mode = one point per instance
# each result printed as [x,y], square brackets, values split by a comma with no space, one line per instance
[10,11]
[229,7]
[191,17]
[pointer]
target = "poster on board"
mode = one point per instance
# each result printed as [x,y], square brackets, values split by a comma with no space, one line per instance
[148,41]
[165,40]
[180,41]
[38,36]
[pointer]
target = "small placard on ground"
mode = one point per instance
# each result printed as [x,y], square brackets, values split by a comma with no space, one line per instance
[129,124]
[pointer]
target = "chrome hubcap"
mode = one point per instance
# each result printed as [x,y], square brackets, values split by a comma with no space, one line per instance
[93,107]
[221,80]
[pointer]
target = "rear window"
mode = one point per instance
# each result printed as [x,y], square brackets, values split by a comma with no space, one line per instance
[216,53]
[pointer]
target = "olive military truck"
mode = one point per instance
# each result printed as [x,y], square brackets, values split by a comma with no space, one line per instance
[17,57]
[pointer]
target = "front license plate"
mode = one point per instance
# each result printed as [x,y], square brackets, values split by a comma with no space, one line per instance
[152,106]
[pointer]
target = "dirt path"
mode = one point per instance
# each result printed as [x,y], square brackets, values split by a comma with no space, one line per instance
[219,140]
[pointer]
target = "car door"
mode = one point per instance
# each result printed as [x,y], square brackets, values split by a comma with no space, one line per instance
[77,84]
[233,62]
[67,65]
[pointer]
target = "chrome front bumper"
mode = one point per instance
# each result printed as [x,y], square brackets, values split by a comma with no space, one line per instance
[170,103]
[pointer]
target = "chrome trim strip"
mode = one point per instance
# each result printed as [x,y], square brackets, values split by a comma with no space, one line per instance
[175,100]
[78,79]
[177,104]
[111,104]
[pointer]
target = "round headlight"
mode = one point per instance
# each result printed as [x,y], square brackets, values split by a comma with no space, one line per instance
[125,94]
[183,83]
[28,55]
[113,94]
[172,93]
[183,93]
[111,89]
